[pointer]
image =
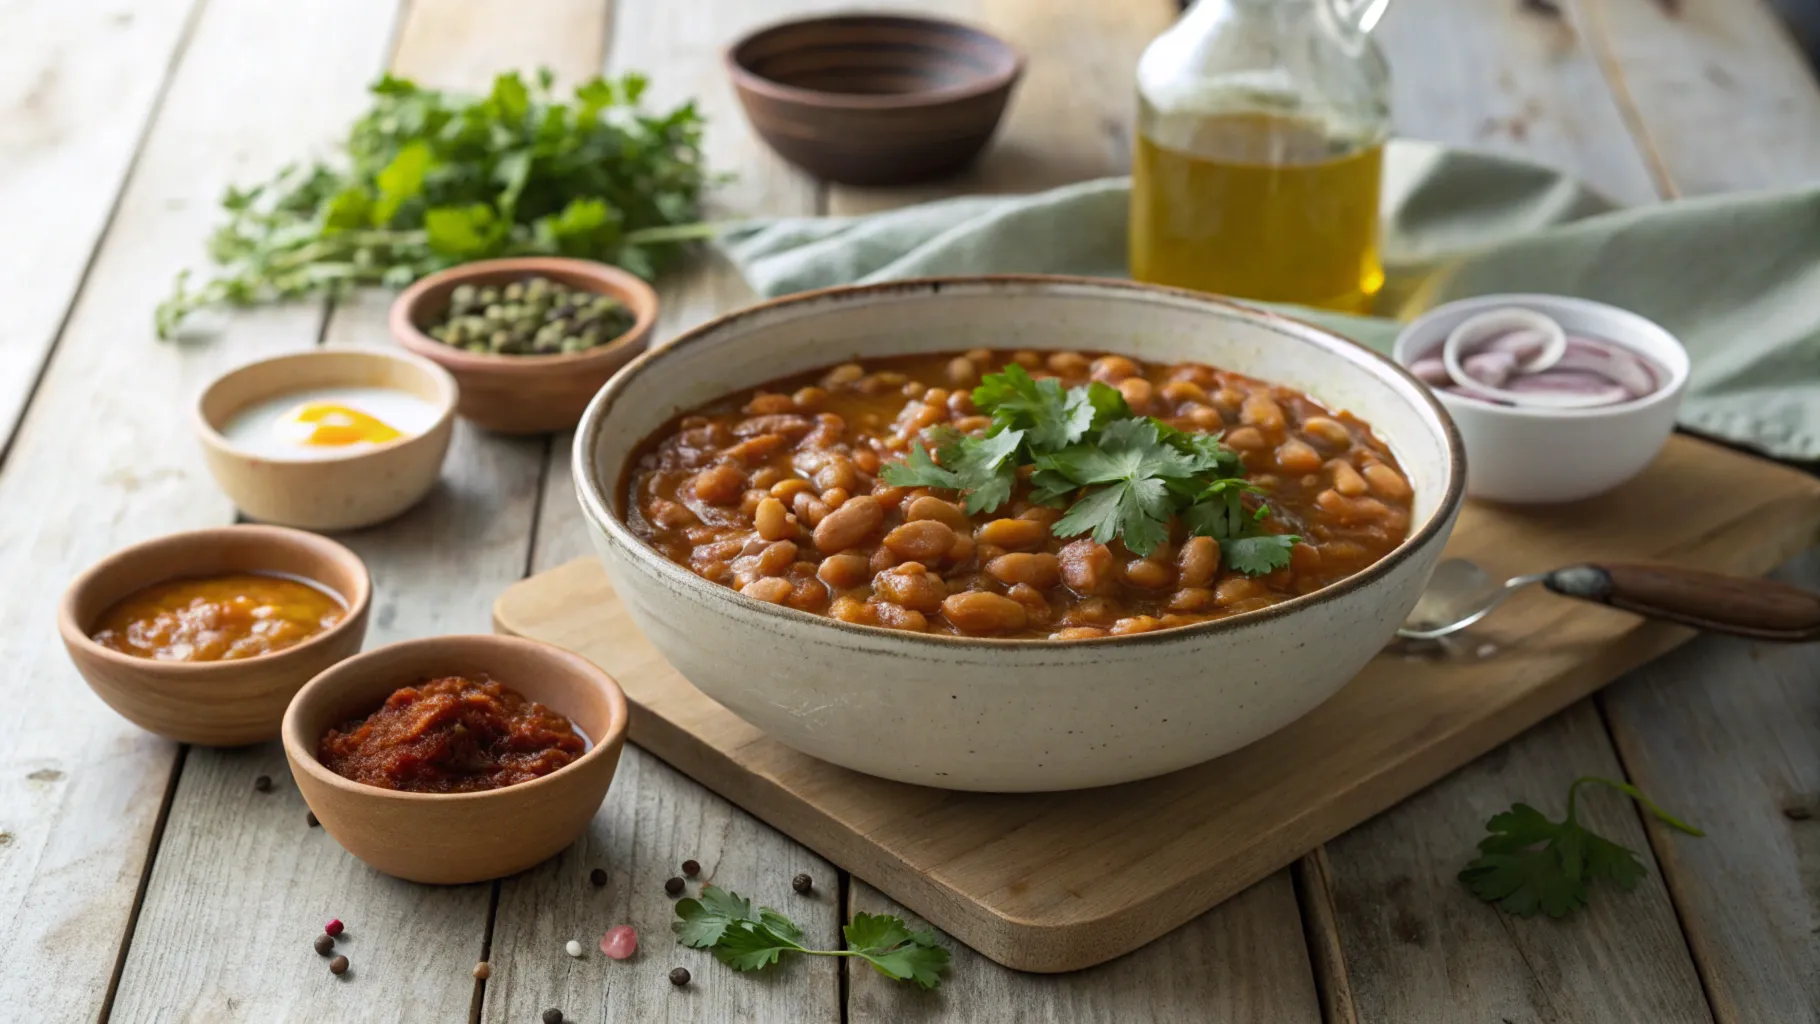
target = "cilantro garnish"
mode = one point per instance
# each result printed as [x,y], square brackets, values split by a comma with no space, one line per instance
[725,924]
[1529,863]
[1119,476]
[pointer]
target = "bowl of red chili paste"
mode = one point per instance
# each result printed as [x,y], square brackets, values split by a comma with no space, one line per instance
[456,759]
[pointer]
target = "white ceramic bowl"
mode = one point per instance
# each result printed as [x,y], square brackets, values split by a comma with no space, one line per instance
[1538,456]
[1013,715]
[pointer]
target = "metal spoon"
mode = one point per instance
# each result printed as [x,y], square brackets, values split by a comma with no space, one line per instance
[1460,594]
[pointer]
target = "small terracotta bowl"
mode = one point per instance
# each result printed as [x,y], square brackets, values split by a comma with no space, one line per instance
[874,99]
[513,394]
[214,703]
[343,491]
[454,838]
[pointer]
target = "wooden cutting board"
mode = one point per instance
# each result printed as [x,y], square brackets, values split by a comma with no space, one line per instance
[1060,881]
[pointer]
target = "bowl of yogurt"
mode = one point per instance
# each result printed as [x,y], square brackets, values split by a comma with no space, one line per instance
[329,439]
[1557,398]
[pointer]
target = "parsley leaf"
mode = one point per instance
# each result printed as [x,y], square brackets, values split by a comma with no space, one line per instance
[1128,476]
[1529,863]
[723,923]
[428,179]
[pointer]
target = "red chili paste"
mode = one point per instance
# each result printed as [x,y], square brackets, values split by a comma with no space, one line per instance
[451,735]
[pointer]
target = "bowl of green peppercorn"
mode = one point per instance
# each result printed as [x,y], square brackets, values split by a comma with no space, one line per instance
[528,339]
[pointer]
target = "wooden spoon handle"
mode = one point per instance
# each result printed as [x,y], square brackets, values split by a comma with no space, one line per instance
[1762,609]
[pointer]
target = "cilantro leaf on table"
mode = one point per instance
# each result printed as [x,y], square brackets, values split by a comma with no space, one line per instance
[724,923]
[429,179]
[1529,863]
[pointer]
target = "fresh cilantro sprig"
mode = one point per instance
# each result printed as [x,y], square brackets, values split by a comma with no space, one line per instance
[1529,863]
[1119,476]
[725,924]
[431,179]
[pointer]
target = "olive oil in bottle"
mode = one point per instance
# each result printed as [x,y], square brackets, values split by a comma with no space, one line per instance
[1260,207]
[1259,153]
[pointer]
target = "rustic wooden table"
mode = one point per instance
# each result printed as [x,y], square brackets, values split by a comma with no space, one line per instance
[140,880]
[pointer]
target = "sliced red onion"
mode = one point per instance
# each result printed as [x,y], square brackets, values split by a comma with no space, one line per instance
[1520,357]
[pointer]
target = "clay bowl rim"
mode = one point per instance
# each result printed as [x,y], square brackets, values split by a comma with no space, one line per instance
[597,501]
[304,756]
[356,604]
[997,80]
[448,395]
[603,279]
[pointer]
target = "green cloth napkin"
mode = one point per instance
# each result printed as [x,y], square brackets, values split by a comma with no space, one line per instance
[1736,277]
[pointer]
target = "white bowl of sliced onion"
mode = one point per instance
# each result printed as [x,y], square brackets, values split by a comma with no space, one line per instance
[1557,398]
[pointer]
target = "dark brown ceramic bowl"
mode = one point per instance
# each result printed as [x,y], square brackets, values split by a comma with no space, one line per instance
[874,99]
[524,394]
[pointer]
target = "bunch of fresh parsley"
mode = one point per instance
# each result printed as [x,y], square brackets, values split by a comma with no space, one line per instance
[1529,863]
[433,179]
[725,924]
[1118,475]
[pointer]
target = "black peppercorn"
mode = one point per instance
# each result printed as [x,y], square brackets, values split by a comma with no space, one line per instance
[552,1016]
[263,783]
[802,884]
[325,944]
[339,965]
[691,868]
[310,817]
[679,976]
[597,877]
[674,886]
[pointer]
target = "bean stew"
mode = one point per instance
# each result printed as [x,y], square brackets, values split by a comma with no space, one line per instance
[780,493]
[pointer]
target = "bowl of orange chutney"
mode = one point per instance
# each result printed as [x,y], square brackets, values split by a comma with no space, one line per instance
[203,637]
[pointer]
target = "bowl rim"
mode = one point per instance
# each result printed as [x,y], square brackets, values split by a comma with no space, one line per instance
[1679,368]
[400,319]
[993,81]
[448,394]
[1438,524]
[357,603]
[304,757]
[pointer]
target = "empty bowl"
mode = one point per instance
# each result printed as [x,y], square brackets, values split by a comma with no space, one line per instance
[524,394]
[453,838]
[874,99]
[215,703]
[340,487]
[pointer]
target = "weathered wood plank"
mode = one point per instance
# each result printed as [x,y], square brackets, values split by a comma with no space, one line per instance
[654,817]
[1404,941]
[1242,961]
[105,457]
[1715,92]
[1718,98]
[1418,947]
[77,85]
[462,44]
[1728,734]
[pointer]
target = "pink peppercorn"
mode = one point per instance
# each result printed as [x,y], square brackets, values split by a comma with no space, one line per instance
[333,927]
[620,942]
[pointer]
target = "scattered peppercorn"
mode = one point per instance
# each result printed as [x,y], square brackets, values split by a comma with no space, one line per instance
[679,976]
[311,819]
[573,948]
[536,316]
[1798,813]
[674,886]
[802,884]
[552,1016]
[339,965]
[598,877]
[325,944]
[263,783]
[691,868]
[334,927]
[483,970]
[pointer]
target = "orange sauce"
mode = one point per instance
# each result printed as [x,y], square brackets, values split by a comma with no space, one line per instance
[218,618]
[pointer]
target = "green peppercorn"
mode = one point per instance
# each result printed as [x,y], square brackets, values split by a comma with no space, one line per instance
[486,297]
[513,292]
[499,341]
[440,332]
[573,344]
[462,297]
